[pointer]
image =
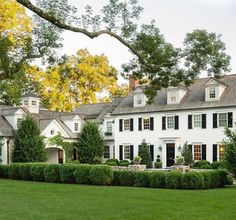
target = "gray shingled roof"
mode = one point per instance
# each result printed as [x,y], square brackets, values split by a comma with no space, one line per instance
[5,128]
[29,94]
[194,99]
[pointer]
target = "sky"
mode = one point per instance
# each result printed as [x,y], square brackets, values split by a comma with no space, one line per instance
[174,18]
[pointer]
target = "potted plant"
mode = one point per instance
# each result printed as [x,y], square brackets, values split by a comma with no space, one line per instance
[137,160]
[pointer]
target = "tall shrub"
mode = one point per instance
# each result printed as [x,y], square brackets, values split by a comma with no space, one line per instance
[144,153]
[187,155]
[28,144]
[90,145]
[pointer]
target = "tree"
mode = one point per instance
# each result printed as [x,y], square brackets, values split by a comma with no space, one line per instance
[90,145]
[230,150]
[187,155]
[154,58]
[144,153]
[75,80]
[28,144]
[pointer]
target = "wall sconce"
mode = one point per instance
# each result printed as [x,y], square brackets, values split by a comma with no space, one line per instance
[179,148]
[160,148]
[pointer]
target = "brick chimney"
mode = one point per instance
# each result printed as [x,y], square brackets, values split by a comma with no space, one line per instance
[133,83]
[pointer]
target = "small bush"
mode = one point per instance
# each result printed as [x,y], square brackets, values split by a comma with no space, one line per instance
[202,164]
[112,164]
[24,171]
[157,179]
[67,173]
[82,173]
[126,178]
[218,165]
[207,179]
[13,171]
[215,180]
[112,161]
[193,180]
[37,171]
[158,164]
[124,163]
[173,180]
[52,173]
[141,178]
[223,174]
[116,178]
[229,180]
[101,175]
[4,171]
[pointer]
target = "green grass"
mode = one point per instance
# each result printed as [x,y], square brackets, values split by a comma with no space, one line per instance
[34,200]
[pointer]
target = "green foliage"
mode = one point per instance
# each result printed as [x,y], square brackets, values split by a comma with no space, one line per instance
[101,175]
[24,171]
[1,145]
[126,178]
[141,179]
[215,180]
[202,164]
[28,144]
[158,163]
[144,153]
[157,179]
[13,171]
[207,179]
[67,172]
[187,154]
[90,145]
[4,171]
[116,177]
[37,171]
[111,163]
[230,151]
[82,173]
[52,173]
[223,177]
[193,180]
[173,180]
[123,163]
[218,165]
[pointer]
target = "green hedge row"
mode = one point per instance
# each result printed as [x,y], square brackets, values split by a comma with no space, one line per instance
[104,175]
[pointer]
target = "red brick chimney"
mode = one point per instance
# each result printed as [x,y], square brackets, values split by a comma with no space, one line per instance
[133,83]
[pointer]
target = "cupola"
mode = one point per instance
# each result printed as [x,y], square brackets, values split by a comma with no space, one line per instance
[31,102]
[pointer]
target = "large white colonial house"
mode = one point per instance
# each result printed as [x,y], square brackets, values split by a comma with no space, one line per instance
[196,115]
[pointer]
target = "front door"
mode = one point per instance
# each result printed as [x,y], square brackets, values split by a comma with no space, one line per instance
[170,154]
[60,156]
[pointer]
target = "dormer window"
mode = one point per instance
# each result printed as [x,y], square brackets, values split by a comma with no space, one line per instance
[76,126]
[18,122]
[26,102]
[139,100]
[212,93]
[175,94]
[34,103]
[173,98]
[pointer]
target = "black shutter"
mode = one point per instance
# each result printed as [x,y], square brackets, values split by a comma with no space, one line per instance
[121,152]
[131,152]
[190,122]
[151,123]
[140,124]
[230,119]
[131,124]
[152,152]
[139,149]
[176,122]
[163,123]
[203,121]
[203,152]
[121,125]
[214,152]
[214,120]
[190,146]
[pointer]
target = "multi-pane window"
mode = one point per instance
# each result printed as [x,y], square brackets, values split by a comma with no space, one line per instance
[76,126]
[18,122]
[221,152]
[146,123]
[126,152]
[212,93]
[222,119]
[26,102]
[170,122]
[173,98]
[139,100]
[34,103]
[106,152]
[109,126]
[126,124]
[197,121]
[197,152]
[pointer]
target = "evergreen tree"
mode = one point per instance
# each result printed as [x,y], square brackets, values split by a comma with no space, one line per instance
[90,145]
[144,153]
[187,155]
[230,150]
[28,145]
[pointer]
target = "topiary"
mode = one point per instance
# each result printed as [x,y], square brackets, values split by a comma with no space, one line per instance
[112,161]
[157,179]
[52,173]
[201,163]
[173,180]
[101,175]
[126,178]
[24,171]
[82,173]
[193,180]
[37,171]
[141,178]
[67,173]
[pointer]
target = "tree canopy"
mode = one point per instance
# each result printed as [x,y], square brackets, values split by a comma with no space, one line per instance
[154,58]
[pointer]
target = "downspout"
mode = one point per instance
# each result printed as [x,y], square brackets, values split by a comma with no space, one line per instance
[8,151]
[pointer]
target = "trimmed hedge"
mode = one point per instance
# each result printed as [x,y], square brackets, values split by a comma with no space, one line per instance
[112,164]
[141,179]
[126,178]
[123,163]
[173,180]
[157,179]
[112,161]
[4,171]
[24,171]
[67,173]
[82,173]
[37,171]
[207,179]
[101,175]
[13,171]
[193,180]
[52,173]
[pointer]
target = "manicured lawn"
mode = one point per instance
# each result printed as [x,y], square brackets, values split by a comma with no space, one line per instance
[34,200]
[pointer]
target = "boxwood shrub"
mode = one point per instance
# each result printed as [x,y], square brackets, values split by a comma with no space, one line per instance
[112,161]
[223,177]
[24,171]
[82,173]
[111,164]
[207,179]
[67,173]
[193,180]
[13,171]
[202,164]
[157,179]
[173,180]
[215,180]
[4,171]
[101,175]
[52,173]
[141,178]
[116,178]
[37,171]
[126,178]
[123,163]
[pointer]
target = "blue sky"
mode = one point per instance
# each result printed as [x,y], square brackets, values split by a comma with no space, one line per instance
[174,18]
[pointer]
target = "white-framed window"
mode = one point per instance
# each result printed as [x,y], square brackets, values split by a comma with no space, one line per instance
[173,98]
[76,126]
[170,122]
[223,121]
[221,151]
[212,92]
[126,152]
[26,102]
[197,152]
[126,124]
[18,122]
[139,100]
[146,123]
[106,152]
[52,132]
[33,102]
[197,121]
[109,126]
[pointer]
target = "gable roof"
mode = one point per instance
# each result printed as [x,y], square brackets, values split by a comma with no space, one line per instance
[5,128]
[29,94]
